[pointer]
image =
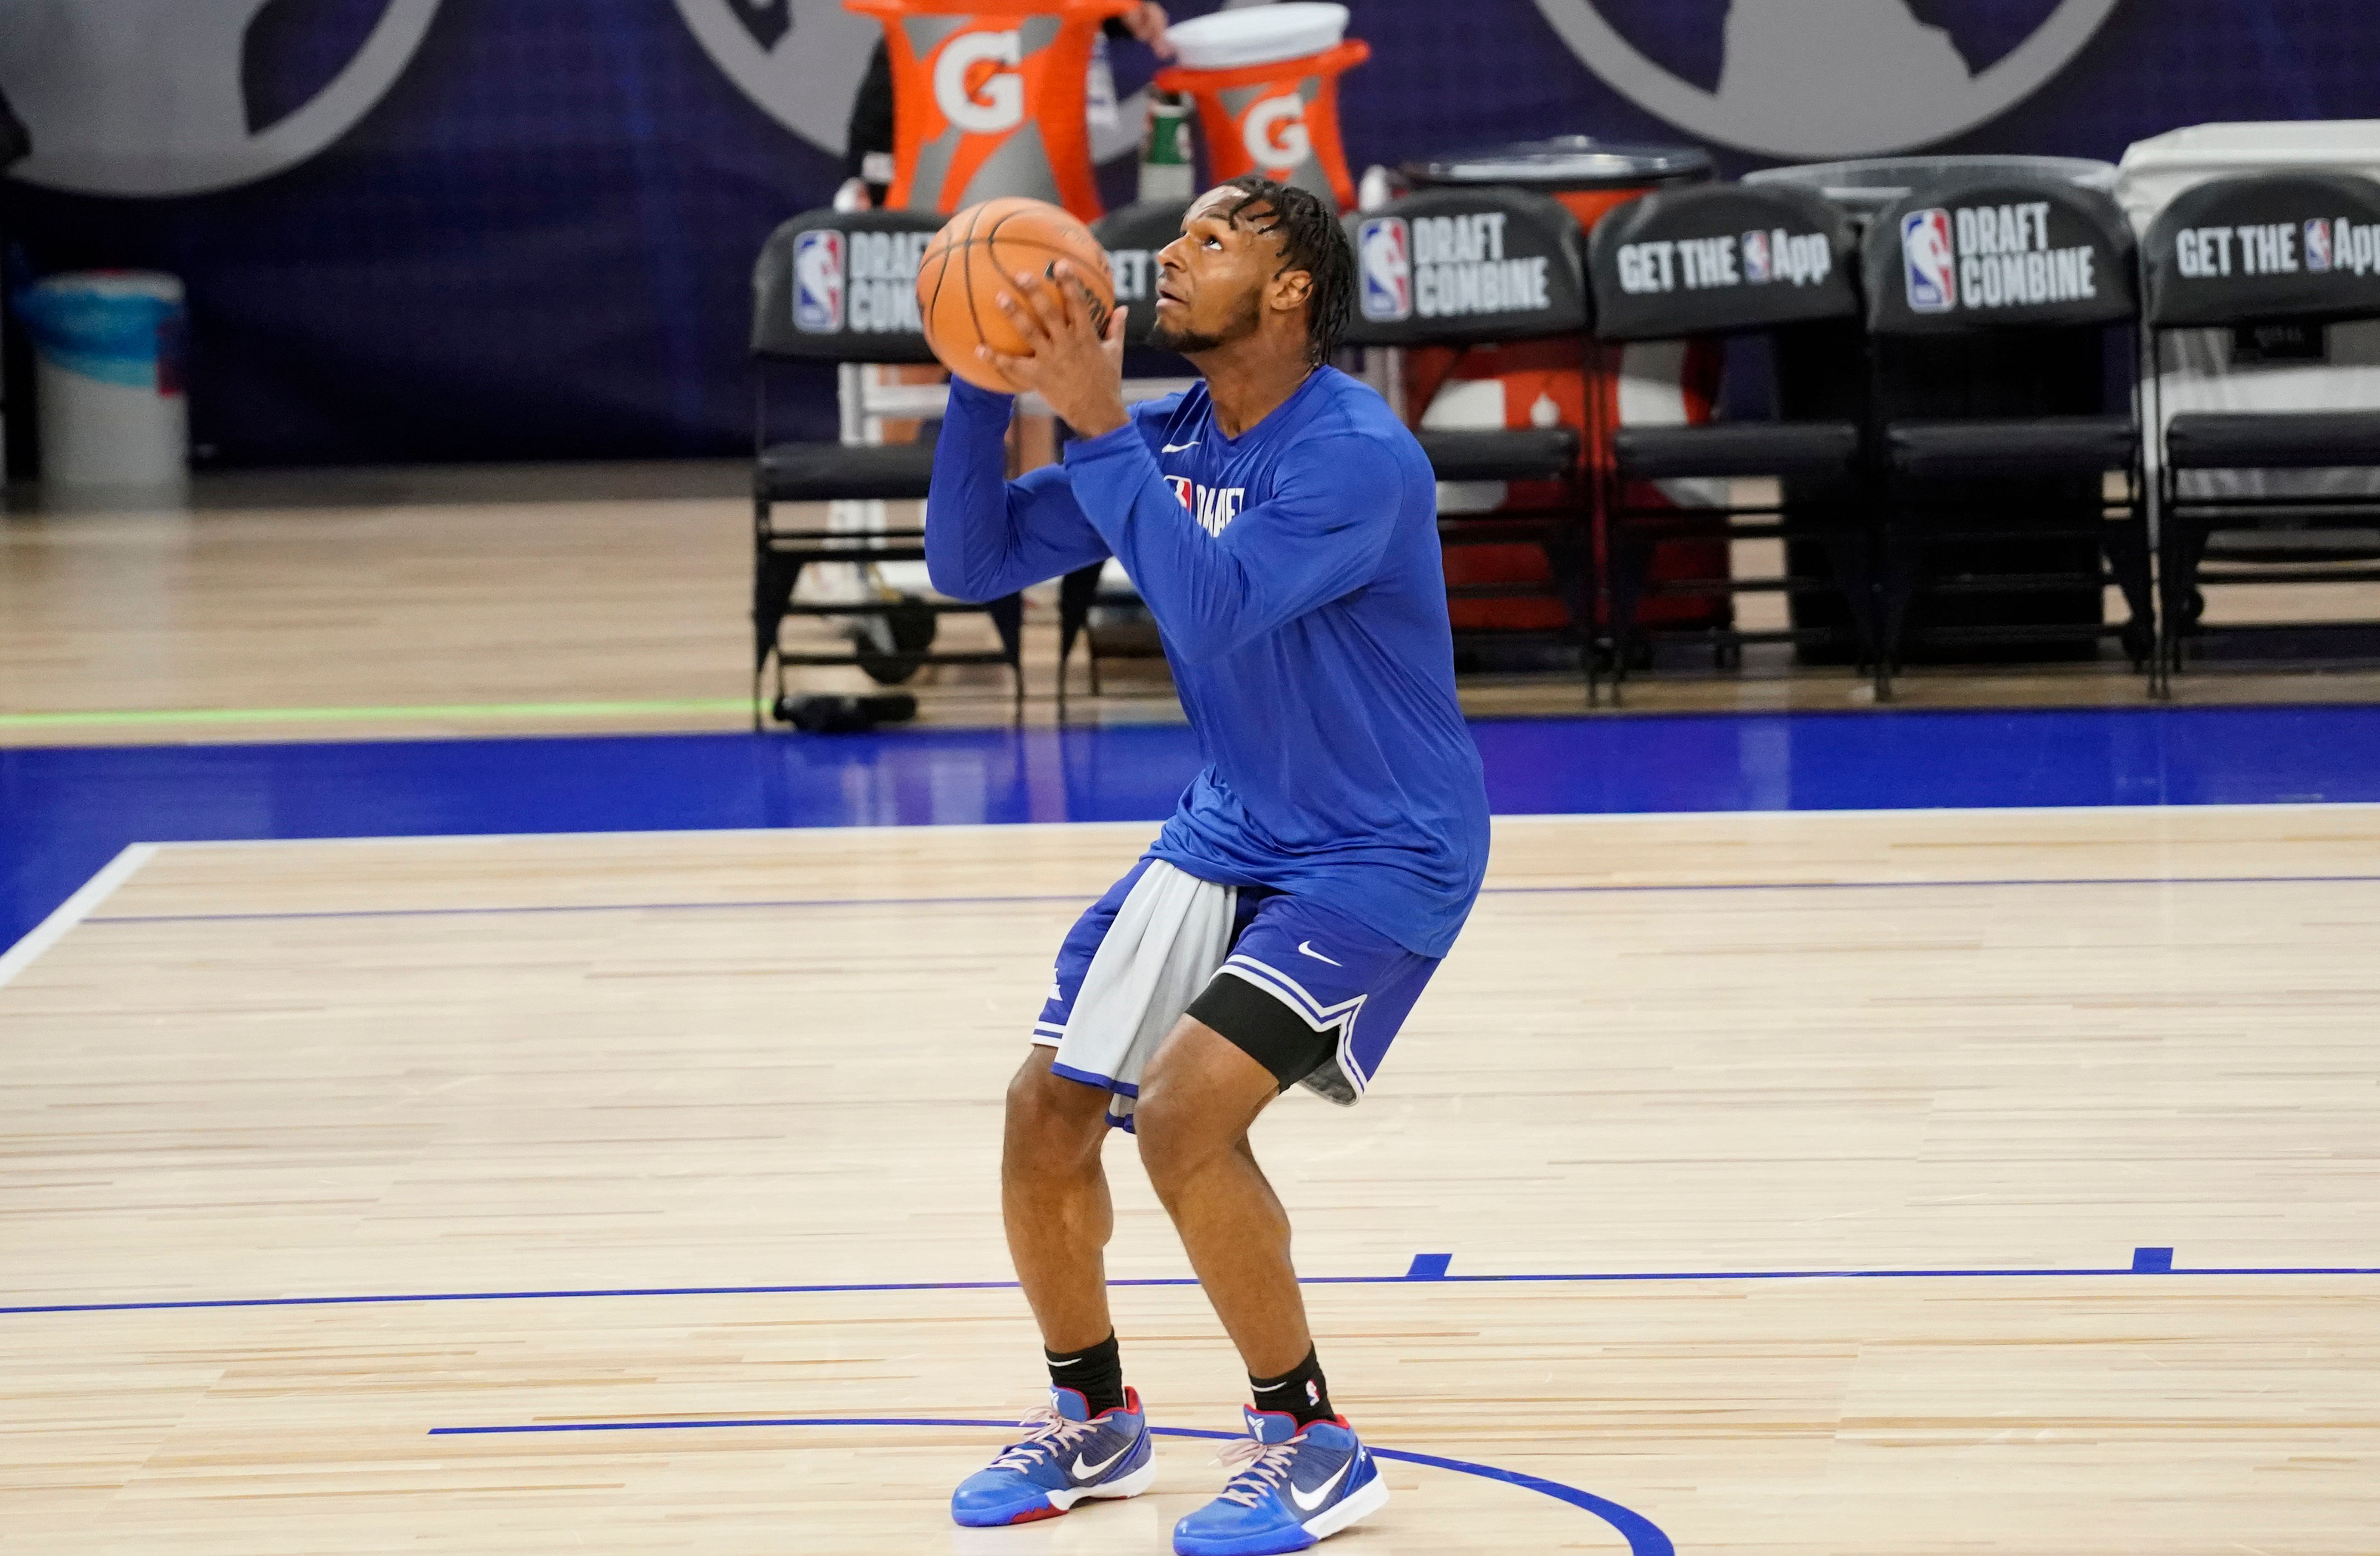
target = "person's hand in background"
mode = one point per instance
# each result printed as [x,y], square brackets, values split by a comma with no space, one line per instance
[1146,22]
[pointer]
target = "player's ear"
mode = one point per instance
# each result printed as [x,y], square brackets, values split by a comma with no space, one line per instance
[1291,288]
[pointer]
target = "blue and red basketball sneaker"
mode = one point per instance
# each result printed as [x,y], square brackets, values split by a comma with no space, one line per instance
[1069,1456]
[1292,1488]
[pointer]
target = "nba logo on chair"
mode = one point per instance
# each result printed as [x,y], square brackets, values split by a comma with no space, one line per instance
[1927,262]
[1387,261]
[2317,245]
[1753,249]
[818,282]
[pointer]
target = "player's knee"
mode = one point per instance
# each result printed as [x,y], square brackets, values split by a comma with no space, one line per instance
[1050,1110]
[1175,1140]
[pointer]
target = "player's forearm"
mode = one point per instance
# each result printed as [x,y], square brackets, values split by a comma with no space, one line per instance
[978,541]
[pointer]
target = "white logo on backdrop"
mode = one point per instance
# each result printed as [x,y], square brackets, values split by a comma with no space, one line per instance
[147,97]
[800,61]
[1830,77]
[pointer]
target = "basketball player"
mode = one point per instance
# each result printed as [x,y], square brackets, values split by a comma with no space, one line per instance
[1280,525]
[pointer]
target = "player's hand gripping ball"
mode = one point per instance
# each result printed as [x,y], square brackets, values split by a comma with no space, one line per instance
[972,260]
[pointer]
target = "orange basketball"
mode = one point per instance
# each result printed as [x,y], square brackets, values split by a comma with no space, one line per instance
[973,259]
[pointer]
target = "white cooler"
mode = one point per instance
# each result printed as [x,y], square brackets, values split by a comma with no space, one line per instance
[107,383]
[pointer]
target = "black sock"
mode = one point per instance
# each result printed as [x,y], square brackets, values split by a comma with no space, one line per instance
[1300,1391]
[1097,1371]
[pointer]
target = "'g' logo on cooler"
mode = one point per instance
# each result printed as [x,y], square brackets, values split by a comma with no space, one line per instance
[985,104]
[1927,262]
[1387,261]
[818,282]
[1274,132]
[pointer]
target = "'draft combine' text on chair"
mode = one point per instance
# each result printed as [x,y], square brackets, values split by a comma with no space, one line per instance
[1484,266]
[2006,530]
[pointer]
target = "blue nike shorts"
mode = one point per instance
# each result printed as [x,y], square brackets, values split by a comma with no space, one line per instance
[1311,995]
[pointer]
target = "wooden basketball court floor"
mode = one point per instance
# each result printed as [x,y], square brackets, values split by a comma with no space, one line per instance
[1822,1182]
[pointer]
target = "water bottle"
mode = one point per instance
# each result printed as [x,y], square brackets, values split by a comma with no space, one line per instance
[1167,172]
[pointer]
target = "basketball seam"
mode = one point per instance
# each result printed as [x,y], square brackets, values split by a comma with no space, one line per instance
[975,315]
[925,317]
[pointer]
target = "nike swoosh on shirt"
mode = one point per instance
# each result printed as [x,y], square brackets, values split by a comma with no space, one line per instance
[1177,448]
[1306,948]
[1321,1493]
[1087,1472]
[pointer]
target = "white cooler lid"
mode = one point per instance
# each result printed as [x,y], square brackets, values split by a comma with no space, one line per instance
[2155,170]
[113,284]
[1256,35]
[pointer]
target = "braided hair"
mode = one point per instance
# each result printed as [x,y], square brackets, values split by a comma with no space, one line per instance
[1313,241]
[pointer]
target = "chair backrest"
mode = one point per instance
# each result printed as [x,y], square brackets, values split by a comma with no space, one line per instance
[1132,235]
[1446,266]
[1718,258]
[1997,253]
[2265,247]
[842,286]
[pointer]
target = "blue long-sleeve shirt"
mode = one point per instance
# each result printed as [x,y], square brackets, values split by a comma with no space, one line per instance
[1294,573]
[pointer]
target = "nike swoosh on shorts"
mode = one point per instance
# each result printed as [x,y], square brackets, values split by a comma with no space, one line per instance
[1306,948]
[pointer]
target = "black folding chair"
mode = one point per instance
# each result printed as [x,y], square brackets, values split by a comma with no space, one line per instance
[1982,291]
[1721,259]
[2261,262]
[1471,267]
[840,287]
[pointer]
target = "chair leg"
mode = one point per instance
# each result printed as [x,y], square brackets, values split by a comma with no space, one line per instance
[1076,592]
[2127,548]
[2185,550]
[1631,558]
[1007,615]
[1897,580]
[773,579]
[1568,561]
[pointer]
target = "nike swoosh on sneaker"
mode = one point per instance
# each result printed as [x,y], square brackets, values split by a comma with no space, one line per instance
[1091,1472]
[1177,448]
[1306,947]
[1321,1494]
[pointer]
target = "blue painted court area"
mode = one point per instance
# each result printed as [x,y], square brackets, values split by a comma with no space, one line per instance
[66,811]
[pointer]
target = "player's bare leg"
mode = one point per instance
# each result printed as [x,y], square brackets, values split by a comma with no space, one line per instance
[1053,1197]
[1198,1097]
[1093,1441]
[1302,1474]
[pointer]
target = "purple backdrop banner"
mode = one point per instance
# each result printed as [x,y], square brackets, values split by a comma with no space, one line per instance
[451,229]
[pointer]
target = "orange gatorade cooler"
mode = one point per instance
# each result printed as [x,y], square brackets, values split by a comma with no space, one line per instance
[1266,80]
[1574,383]
[988,98]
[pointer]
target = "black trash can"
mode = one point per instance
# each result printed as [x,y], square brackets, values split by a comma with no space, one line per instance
[1833,372]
